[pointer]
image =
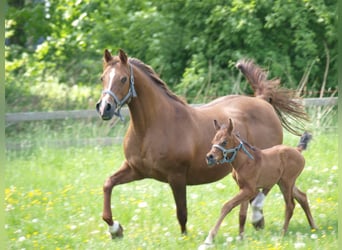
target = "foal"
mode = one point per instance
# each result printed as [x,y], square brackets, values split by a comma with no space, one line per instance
[254,169]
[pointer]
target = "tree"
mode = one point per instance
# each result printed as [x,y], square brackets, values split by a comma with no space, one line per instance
[193,45]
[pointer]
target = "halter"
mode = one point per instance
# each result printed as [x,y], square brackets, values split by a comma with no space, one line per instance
[225,152]
[120,103]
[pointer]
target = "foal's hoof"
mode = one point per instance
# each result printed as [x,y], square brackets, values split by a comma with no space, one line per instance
[116,231]
[260,224]
[205,246]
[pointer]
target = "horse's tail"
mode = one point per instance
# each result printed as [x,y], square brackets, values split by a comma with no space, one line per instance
[286,103]
[304,141]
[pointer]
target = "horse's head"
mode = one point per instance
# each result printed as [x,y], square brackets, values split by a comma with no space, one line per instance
[118,85]
[222,143]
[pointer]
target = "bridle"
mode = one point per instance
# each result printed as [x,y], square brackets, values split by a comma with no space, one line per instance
[225,152]
[131,93]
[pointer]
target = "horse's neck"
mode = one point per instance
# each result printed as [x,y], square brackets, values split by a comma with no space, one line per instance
[150,105]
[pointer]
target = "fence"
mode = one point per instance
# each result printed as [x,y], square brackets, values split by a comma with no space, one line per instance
[14,118]
[79,114]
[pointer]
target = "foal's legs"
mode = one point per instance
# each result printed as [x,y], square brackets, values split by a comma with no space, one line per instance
[303,201]
[243,196]
[242,218]
[124,175]
[287,190]
[257,204]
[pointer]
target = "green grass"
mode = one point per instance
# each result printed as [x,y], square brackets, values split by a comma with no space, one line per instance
[53,200]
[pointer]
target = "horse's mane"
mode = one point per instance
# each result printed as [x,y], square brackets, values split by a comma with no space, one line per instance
[156,79]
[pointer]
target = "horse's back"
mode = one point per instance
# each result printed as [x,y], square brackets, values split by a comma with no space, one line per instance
[288,159]
[254,118]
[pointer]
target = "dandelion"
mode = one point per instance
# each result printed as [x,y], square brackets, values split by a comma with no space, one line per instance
[71,227]
[229,239]
[220,186]
[299,245]
[142,204]
[21,239]
[319,200]
[314,236]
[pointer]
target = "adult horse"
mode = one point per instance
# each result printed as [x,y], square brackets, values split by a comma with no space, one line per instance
[167,139]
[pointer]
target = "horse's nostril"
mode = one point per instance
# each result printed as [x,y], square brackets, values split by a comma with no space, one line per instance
[108,107]
[98,106]
[210,157]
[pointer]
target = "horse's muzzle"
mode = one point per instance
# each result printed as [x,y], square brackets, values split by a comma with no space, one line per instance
[211,159]
[105,109]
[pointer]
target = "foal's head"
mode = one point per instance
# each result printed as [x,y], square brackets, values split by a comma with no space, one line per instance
[224,140]
[118,84]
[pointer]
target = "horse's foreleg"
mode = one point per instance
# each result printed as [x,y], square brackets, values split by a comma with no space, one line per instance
[124,175]
[242,218]
[243,196]
[178,186]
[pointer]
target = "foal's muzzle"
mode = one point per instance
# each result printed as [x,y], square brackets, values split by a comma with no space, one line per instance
[211,159]
[105,109]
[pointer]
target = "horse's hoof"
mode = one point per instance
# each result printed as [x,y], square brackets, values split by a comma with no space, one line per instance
[259,224]
[116,230]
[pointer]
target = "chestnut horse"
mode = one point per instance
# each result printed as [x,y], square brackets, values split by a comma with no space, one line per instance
[254,168]
[167,139]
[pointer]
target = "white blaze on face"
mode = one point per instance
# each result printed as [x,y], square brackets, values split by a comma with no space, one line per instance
[111,78]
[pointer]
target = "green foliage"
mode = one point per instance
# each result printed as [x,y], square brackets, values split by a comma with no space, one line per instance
[192,44]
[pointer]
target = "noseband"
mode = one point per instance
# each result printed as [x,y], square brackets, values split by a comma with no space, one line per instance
[225,152]
[123,101]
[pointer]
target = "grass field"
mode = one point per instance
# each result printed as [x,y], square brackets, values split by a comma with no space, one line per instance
[53,200]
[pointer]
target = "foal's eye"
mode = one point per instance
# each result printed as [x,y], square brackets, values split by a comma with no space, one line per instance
[123,79]
[224,143]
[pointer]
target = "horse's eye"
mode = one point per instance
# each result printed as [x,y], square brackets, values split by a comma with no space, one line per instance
[224,143]
[123,79]
[101,79]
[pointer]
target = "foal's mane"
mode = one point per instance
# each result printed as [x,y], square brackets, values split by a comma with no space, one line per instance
[156,79]
[237,134]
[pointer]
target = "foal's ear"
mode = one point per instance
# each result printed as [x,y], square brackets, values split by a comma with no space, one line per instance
[216,125]
[230,126]
[107,57]
[122,56]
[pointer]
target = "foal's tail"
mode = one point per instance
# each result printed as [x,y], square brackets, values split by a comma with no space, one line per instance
[304,141]
[290,111]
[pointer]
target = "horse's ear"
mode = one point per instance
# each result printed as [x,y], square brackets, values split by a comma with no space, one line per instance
[122,56]
[107,56]
[216,125]
[230,126]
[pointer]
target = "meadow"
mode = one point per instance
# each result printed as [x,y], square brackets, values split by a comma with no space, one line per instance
[53,198]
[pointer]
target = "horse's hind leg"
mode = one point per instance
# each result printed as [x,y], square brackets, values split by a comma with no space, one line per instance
[257,203]
[124,175]
[286,189]
[303,201]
